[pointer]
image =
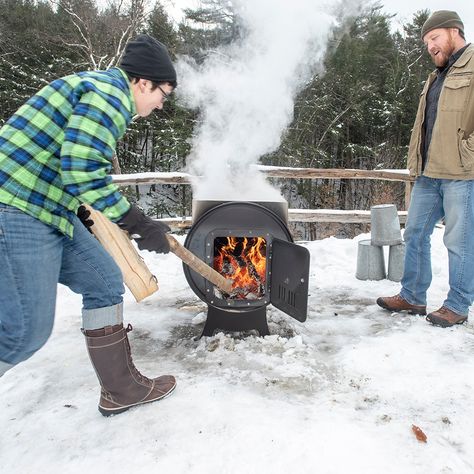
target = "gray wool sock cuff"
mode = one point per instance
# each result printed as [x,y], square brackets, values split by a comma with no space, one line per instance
[4,367]
[101,317]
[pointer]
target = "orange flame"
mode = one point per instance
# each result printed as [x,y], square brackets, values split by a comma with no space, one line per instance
[242,259]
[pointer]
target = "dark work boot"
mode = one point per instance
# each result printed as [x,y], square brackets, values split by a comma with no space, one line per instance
[122,385]
[397,303]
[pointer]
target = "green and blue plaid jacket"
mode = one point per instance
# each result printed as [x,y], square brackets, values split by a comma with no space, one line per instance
[56,151]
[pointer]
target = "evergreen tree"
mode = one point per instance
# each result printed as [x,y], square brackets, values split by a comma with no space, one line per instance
[213,24]
[413,66]
[29,58]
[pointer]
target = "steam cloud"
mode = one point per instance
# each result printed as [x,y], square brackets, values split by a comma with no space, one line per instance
[245,93]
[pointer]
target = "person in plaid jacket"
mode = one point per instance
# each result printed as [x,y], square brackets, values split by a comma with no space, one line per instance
[55,154]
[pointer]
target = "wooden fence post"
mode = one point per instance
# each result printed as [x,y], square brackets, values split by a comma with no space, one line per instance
[408,188]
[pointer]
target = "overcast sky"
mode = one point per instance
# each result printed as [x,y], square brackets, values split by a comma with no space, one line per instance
[404,9]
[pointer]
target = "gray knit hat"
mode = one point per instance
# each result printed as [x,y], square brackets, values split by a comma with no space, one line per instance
[442,19]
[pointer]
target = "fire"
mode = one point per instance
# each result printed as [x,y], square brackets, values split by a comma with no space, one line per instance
[242,259]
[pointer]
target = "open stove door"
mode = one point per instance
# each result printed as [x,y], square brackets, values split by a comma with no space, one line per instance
[289,278]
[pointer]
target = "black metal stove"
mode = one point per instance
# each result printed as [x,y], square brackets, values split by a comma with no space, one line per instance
[250,243]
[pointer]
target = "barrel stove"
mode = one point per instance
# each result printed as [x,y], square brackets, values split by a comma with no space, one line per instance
[248,242]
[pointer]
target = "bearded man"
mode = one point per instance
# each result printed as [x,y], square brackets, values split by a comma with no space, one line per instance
[441,157]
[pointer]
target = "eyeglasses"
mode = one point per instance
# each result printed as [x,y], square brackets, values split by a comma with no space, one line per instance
[165,95]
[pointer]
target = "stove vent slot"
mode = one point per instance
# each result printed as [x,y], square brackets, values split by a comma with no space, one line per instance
[287,295]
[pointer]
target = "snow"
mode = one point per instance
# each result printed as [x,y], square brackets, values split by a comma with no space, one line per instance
[336,394]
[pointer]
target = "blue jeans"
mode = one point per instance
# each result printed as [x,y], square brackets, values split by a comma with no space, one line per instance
[432,199]
[34,258]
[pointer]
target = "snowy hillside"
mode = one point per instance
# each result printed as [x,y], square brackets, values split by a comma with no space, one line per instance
[337,394]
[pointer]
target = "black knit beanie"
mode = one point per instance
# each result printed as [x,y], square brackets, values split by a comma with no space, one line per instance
[442,19]
[147,58]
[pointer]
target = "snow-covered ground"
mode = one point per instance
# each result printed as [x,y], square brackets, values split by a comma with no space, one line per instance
[336,394]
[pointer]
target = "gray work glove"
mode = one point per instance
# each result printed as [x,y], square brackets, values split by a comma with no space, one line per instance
[149,234]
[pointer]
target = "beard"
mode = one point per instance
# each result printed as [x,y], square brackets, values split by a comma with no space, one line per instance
[442,55]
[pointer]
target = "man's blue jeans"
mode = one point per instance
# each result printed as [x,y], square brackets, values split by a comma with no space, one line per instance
[34,257]
[431,200]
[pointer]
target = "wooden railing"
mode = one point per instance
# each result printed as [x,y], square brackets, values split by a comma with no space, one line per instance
[297,215]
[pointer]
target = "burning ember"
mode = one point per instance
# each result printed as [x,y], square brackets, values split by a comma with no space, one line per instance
[242,259]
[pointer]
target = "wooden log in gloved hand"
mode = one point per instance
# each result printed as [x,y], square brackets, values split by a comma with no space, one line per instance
[196,264]
[136,275]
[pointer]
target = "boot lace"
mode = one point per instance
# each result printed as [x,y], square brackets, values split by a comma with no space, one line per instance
[137,375]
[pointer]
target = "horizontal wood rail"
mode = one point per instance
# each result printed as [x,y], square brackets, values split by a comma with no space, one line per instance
[302,215]
[294,215]
[269,172]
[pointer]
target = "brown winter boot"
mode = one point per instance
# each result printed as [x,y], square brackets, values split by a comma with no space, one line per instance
[445,318]
[122,385]
[397,303]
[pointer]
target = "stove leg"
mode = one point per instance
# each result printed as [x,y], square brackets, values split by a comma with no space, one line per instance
[231,320]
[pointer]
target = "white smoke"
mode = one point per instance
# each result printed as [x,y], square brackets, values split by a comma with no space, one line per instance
[245,93]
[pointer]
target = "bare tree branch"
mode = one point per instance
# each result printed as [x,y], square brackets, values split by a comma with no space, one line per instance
[102,36]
